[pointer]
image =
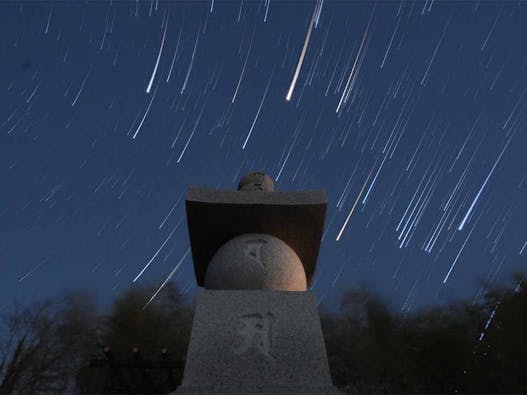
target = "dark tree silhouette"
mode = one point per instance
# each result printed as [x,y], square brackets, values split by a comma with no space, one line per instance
[145,346]
[72,347]
[460,348]
[31,360]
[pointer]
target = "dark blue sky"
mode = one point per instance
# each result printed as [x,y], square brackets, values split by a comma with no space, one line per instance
[415,111]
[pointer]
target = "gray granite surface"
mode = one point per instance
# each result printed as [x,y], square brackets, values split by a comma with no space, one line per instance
[256,342]
[216,216]
[256,181]
[256,261]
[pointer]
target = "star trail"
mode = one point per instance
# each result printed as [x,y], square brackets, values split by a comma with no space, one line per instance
[411,115]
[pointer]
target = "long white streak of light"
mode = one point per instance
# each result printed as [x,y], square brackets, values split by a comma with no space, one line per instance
[191,134]
[178,134]
[81,88]
[21,118]
[400,7]
[523,248]
[267,10]
[419,214]
[257,113]
[301,59]
[145,114]
[381,107]
[240,11]
[355,203]
[411,221]
[490,31]
[175,53]
[31,271]
[389,142]
[432,189]
[344,195]
[343,74]
[437,231]
[286,158]
[413,198]
[374,179]
[338,274]
[469,211]
[513,110]
[11,116]
[435,53]
[455,216]
[456,188]
[465,142]
[460,251]
[158,250]
[463,175]
[390,44]
[345,91]
[154,72]
[492,228]
[49,17]
[356,73]
[170,212]
[333,73]
[318,8]
[33,93]
[243,70]
[167,279]
[340,201]
[491,317]
[419,144]
[400,136]
[191,63]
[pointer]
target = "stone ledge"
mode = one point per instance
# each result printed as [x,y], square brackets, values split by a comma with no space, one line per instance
[216,216]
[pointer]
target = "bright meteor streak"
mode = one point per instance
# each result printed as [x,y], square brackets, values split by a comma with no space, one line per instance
[167,279]
[469,211]
[301,60]
[149,87]
[354,69]
[157,252]
[356,202]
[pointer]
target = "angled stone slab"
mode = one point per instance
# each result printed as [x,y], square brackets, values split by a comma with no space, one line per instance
[216,216]
[256,342]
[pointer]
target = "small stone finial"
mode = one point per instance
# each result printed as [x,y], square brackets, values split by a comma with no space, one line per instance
[256,181]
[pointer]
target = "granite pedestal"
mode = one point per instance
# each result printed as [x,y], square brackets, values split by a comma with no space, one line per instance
[256,342]
[256,328]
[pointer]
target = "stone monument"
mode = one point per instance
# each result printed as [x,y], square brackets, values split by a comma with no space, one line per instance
[256,327]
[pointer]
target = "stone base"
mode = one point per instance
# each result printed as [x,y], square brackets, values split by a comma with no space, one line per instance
[256,342]
[258,391]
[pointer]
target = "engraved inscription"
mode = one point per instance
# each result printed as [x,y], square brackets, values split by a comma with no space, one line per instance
[253,250]
[256,333]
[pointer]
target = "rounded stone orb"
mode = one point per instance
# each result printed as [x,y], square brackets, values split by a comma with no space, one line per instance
[256,261]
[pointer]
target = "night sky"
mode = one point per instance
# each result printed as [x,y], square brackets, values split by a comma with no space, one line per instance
[411,115]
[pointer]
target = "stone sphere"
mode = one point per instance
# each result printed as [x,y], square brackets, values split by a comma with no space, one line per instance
[256,181]
[256,261]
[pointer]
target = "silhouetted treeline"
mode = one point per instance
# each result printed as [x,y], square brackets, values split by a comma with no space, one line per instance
[71,347]
[461,348]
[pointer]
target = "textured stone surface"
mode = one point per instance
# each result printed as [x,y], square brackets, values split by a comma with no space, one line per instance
[216,216]
[256,342]
[256,181]
[271,390]
[256,261]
